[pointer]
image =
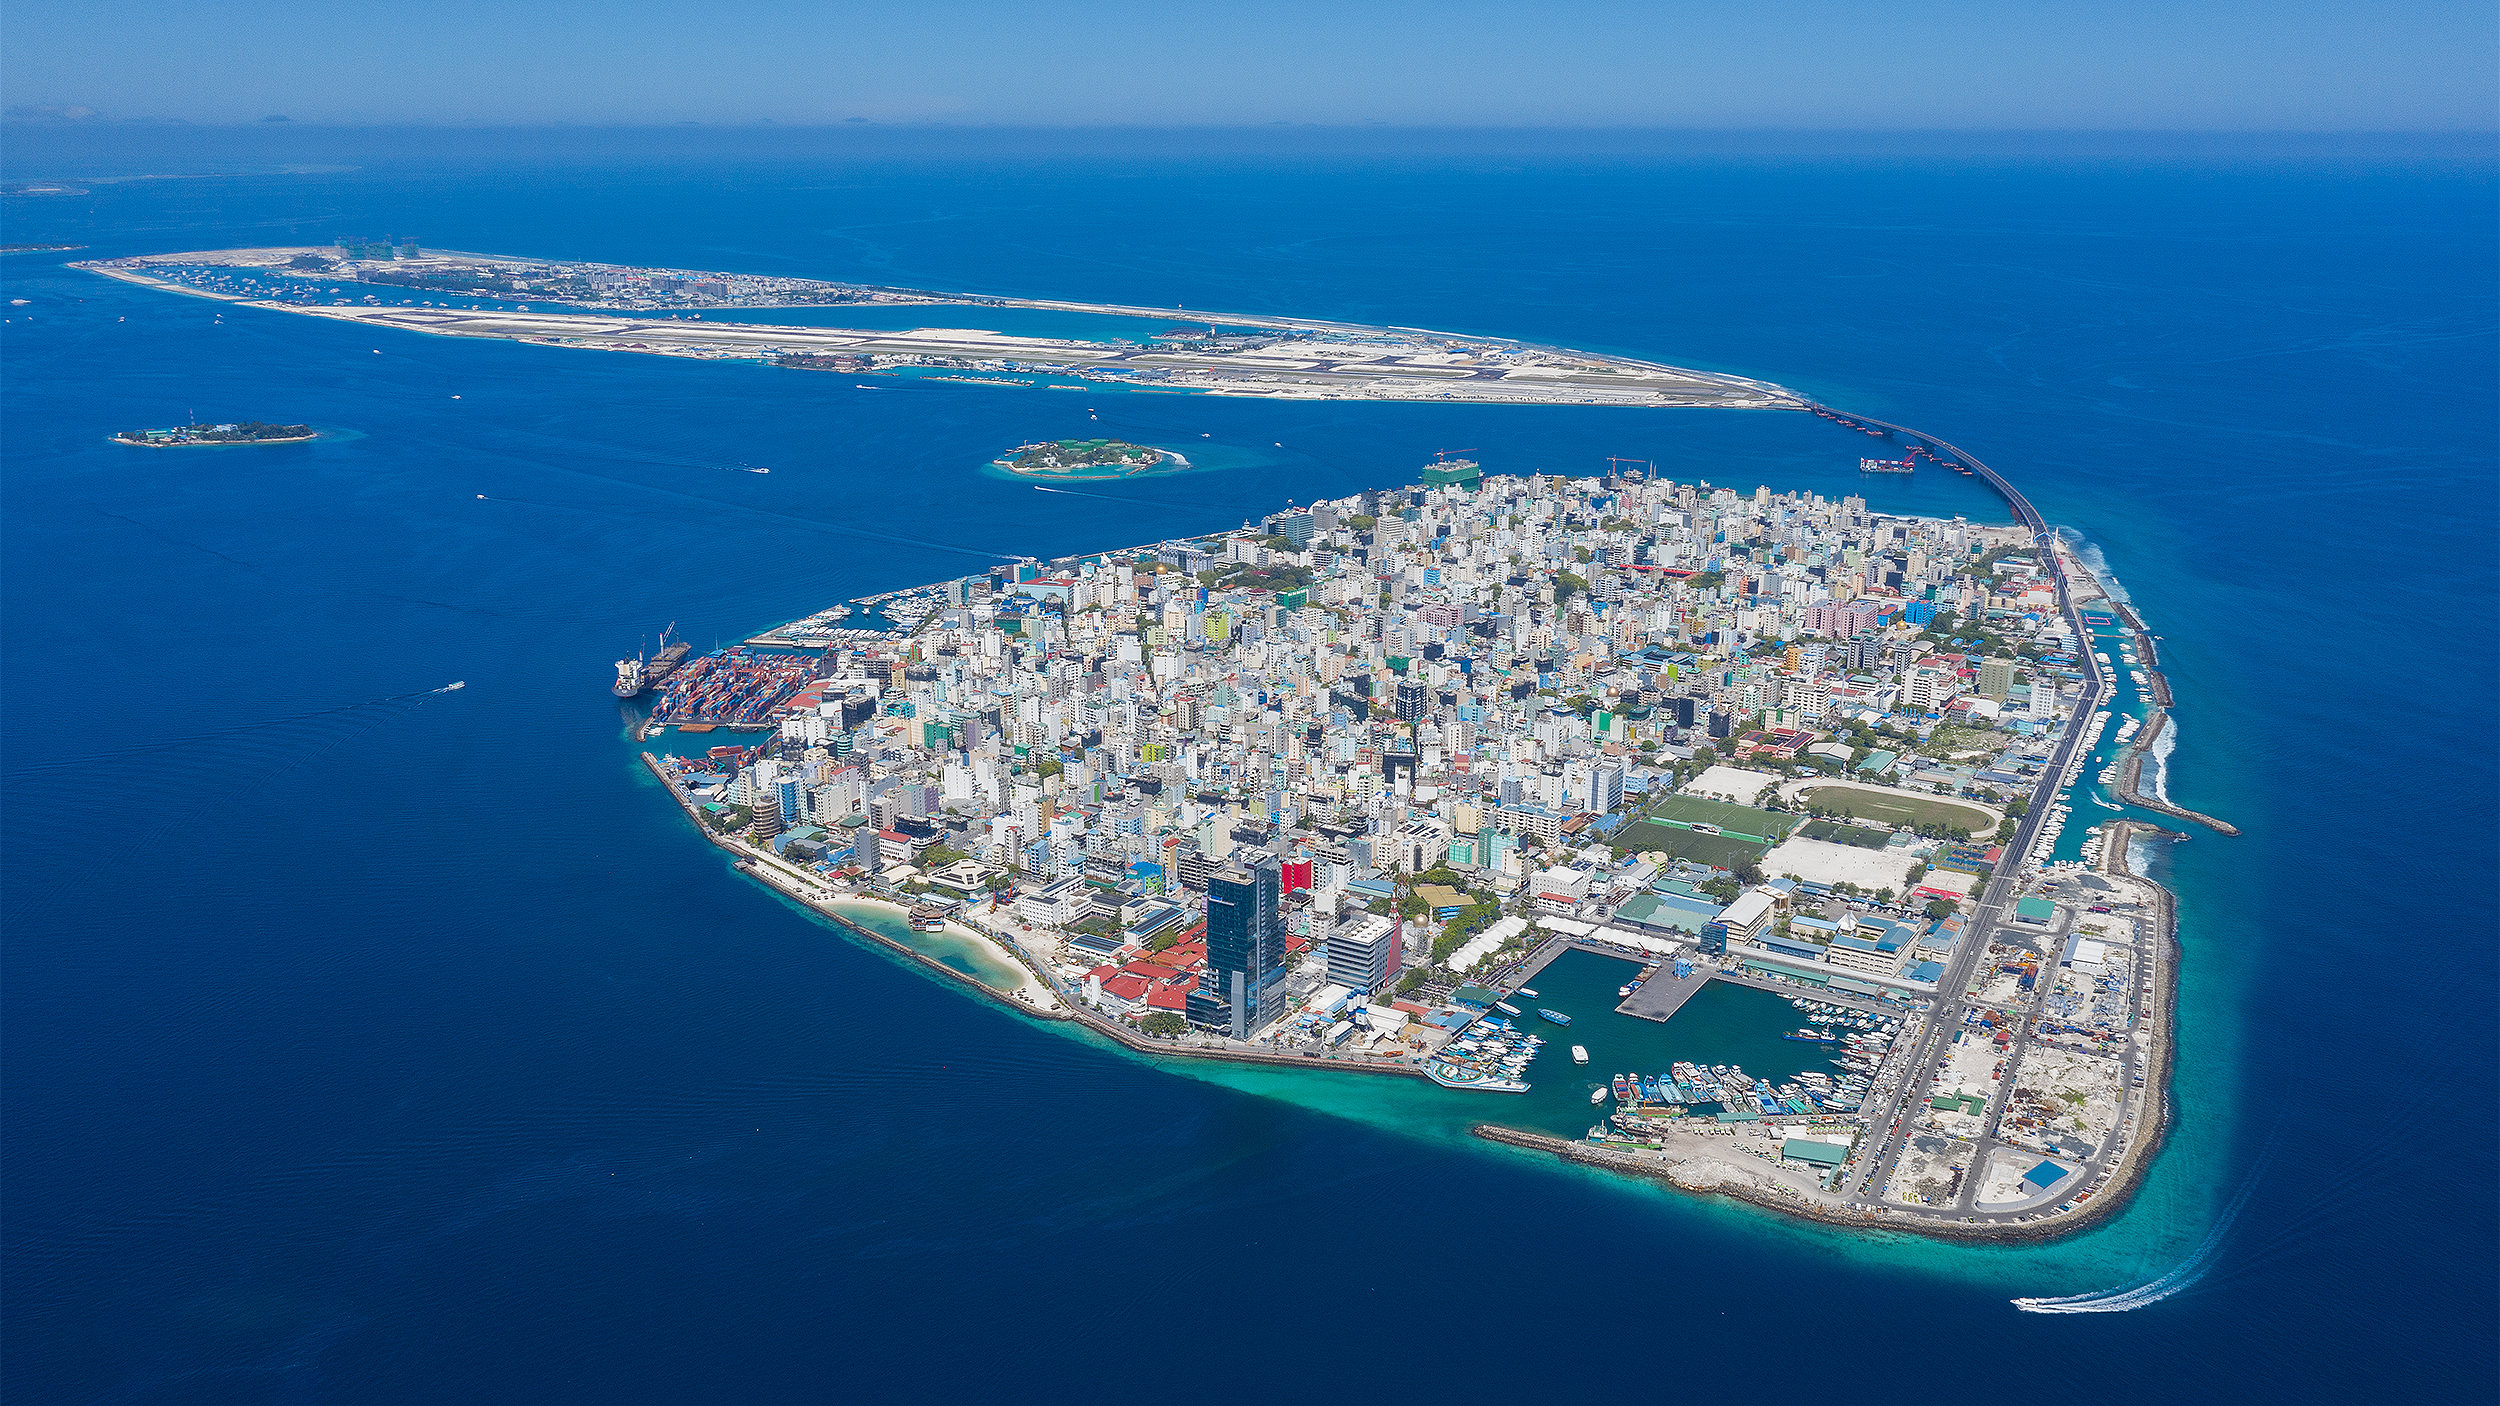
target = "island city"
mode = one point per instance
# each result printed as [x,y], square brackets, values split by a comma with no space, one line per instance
[1362,786]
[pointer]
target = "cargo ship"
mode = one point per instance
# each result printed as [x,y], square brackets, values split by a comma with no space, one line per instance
[643,672]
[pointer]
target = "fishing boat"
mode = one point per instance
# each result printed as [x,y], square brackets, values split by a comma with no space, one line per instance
[1623,990]
[1555,1016]
[1579,1054]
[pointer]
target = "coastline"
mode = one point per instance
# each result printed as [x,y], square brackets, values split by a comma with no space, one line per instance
[795,885]
[1701,1172]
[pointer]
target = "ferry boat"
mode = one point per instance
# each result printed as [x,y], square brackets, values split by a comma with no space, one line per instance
[1555,1016]
[1527,991]
[1505,1008]
[1598,1094]
[1579,1054]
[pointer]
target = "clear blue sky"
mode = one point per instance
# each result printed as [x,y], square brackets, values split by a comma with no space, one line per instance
[2267,65]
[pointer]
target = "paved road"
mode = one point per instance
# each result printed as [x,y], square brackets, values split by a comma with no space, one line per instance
[1889,1116]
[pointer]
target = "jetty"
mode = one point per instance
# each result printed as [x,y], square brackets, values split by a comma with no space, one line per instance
[2131,775]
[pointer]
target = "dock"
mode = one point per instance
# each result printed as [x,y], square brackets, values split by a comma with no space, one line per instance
[1665,993]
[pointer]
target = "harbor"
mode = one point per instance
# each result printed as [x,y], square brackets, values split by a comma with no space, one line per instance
[1720,1028]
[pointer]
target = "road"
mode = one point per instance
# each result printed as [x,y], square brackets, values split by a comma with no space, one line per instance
[1888,1117]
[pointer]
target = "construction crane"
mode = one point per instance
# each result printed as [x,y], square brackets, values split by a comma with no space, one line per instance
[1650,465]
[1446,453]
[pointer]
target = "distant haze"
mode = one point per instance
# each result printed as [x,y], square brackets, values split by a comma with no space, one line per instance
[2232,65]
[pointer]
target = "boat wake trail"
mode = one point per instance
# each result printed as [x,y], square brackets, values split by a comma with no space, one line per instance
[2153,1291]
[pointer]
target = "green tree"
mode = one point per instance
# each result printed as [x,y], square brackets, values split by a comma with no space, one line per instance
[1163,1023]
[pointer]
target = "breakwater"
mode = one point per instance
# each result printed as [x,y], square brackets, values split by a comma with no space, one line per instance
[2131,776]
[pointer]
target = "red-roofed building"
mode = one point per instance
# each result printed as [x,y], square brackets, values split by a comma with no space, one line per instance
[1125,994]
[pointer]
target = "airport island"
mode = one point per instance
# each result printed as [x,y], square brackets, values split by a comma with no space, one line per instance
[396,284]
[1482,784]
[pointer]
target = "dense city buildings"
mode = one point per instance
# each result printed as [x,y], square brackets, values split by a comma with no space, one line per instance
[1332,785]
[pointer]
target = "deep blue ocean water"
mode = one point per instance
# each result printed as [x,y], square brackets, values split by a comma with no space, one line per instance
[366,1043]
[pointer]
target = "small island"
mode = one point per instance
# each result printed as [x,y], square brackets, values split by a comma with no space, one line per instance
[1087,459]
[193,436]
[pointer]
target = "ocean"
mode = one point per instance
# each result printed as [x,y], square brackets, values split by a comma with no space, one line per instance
[363,1042]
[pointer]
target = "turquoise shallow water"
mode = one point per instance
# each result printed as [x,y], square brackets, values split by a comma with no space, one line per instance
[424,1052]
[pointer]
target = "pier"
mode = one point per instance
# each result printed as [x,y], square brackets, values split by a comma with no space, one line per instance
[1665,993]
[1662,993]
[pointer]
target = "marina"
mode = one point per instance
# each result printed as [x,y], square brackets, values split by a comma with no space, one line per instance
[1490,1056]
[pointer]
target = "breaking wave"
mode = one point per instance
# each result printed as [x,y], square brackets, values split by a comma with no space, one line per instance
[2089,553]
[2154,780]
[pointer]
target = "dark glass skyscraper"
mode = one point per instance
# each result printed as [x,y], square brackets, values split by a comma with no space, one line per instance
[1245,971]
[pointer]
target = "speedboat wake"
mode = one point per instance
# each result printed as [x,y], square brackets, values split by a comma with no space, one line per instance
[2152,1291]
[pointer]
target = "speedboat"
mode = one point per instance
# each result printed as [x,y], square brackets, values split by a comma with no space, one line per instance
[1598,1094]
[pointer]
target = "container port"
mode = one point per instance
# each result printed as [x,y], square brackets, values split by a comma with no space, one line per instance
[734,687]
